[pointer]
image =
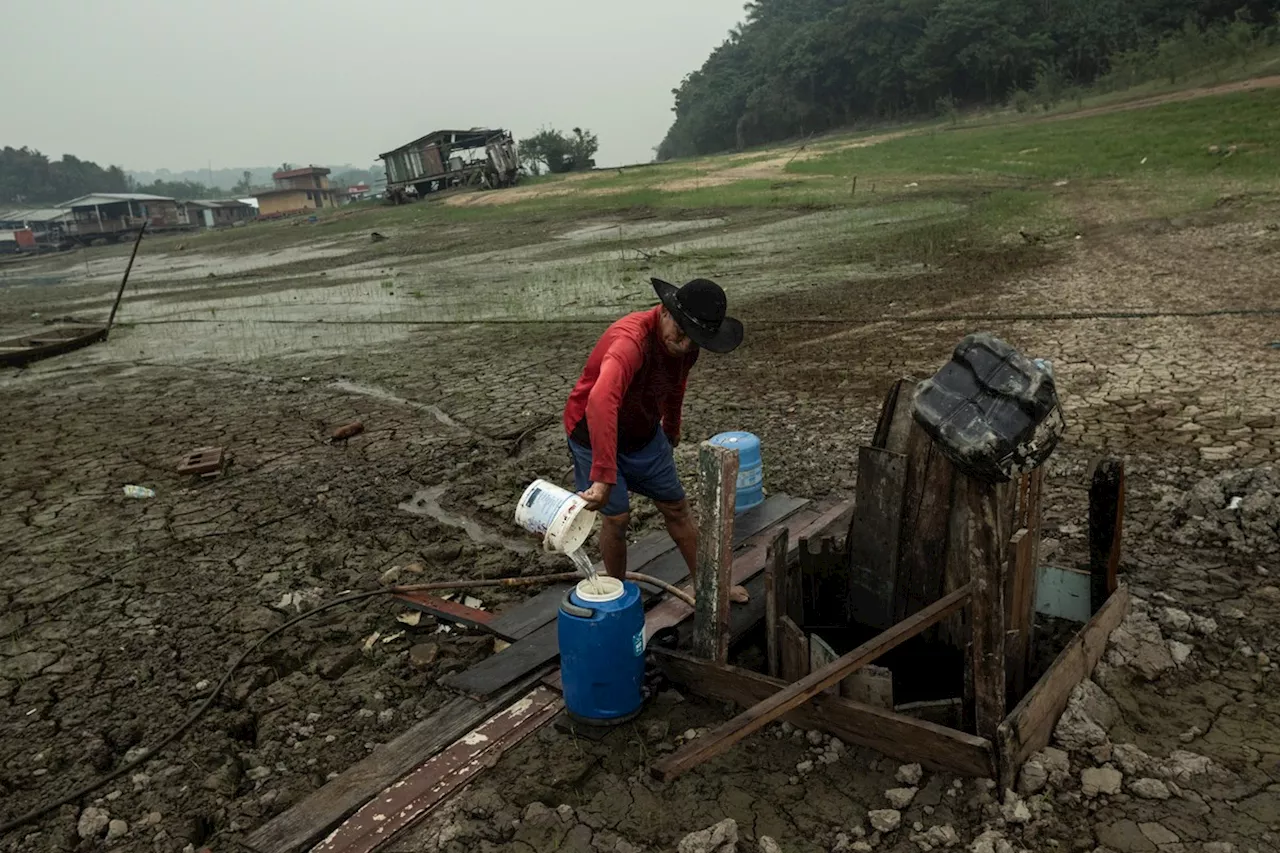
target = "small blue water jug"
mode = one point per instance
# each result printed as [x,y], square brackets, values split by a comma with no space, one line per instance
[600,629]
[750,468]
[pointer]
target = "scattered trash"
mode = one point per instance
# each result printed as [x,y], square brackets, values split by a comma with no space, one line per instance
[444,629]
[1235,502]
[412,618]
[911,185]
[473,602]
[391,638]
[370,640]
[203,461]
[132,491]
[1061,183]
[1143,162]
[347,431]
[1274,345]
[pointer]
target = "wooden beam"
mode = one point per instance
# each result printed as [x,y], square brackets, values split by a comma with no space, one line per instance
[987,560]
[308,821]
[775,569]
[1020,609]
[749,562]
[1106,526]
[408,800]
[923,534]
[901,737]
[1028,728]
[793,650]
[763,713]
[873,536]
[717,483]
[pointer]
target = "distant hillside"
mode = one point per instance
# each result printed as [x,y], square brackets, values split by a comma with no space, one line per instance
[797,67]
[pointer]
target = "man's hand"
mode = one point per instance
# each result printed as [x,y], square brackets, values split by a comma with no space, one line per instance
[596,496]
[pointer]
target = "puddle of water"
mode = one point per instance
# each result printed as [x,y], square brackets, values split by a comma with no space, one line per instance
[426,503]
[383,394]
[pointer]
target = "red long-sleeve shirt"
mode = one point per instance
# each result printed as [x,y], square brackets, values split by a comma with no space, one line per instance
[630,386]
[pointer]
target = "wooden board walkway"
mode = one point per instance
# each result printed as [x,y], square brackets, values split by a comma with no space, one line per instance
[541,647]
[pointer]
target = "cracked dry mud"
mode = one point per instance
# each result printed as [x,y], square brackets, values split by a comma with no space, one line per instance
[117,616]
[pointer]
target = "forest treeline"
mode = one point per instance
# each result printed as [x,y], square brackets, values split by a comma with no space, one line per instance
[796,67]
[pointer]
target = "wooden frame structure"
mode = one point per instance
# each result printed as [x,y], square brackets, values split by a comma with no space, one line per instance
[972,546]
[911,509]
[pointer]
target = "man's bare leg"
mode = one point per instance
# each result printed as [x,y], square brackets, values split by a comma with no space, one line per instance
[679,521]
[613,544]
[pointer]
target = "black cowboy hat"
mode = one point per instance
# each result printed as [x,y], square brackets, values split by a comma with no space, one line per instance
[699,308]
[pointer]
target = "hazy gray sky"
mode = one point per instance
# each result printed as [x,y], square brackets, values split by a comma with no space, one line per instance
[174,84]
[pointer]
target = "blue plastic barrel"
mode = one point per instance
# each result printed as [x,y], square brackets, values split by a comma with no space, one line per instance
[600,628]
[750,468]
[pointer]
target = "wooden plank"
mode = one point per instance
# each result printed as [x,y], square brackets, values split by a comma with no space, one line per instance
[541,647]
[1020,609]
[450,611]
[1030,725]
[406,801]
[653,554]
[901,737]
[1106,527]
[717,490]
[873,536]
[923,533]
[987,560]
[894,425]
[305,823]
[793,649]
[775,568]
[764,712]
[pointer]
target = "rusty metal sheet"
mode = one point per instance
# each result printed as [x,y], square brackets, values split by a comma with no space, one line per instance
[407,801]
[451,611]
[202,460]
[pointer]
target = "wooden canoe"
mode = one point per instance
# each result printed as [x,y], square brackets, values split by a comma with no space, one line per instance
[55,340]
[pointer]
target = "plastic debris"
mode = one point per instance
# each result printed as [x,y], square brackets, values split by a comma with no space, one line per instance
[132,491]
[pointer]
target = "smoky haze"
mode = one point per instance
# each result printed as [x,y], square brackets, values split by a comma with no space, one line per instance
[176,84]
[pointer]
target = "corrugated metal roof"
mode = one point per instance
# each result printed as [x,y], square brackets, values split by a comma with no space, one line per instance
[300,172]
[44,214]
[217,202]
[475,137]
[111,198]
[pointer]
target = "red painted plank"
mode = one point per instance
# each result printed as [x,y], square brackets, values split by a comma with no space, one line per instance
[451,611]
[407,801]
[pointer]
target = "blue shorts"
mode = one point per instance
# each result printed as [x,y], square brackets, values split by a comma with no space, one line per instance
[650,471]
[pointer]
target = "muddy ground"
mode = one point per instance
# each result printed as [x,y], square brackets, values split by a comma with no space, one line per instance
[120,614]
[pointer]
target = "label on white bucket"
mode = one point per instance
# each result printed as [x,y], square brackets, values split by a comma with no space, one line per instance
[559,516]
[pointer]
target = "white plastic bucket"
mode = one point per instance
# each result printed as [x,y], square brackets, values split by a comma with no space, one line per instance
[600,589]
[558,516]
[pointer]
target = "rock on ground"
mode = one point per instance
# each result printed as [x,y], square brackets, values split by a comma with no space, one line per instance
[1139,644]
[884,820]
[765,844]
[1150,789]
[92,822]
[1090,713]
[910,774]
[720,838]
[1100,780]
[900,798]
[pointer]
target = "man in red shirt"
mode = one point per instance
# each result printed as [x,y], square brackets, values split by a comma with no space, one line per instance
[623,416]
